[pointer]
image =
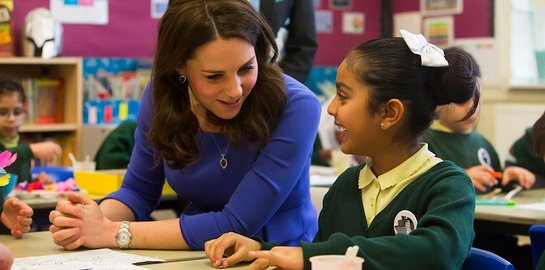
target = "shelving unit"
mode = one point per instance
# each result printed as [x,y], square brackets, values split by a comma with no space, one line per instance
[67,133]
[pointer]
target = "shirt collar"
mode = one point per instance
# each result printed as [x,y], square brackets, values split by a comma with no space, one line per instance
[403,171]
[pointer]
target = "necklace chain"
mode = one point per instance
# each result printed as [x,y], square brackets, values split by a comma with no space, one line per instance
[223,160]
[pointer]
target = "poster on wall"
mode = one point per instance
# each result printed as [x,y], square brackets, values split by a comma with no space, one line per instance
[439,31]
[324,21]
[343,4]
[410,21]
[485,52]
[80,11]
[440,7]
[353,22]
[158,8]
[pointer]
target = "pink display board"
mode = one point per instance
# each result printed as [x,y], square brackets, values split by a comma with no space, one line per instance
[131,32]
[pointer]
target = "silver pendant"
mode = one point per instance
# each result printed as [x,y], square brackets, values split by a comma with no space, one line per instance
[223,162]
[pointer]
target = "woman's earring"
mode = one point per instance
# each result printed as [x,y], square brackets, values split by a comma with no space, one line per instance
[382,125]
[182,79]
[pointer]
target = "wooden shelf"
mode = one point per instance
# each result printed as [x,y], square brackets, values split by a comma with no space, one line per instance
[48,128]
[69,69]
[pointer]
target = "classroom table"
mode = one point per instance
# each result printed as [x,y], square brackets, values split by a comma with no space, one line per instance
[511,219]
[41,243]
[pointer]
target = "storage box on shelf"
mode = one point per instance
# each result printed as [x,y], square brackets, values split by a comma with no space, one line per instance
[67,131]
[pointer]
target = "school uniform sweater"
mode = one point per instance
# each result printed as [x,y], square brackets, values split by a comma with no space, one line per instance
[464,149]
[443,202]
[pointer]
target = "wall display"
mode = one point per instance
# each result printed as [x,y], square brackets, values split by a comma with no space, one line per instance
[440,7]
[324,21]
[410,21]
[7,37]
[341,4]
[439,31]
[158,8]
[80,12]
[353,22]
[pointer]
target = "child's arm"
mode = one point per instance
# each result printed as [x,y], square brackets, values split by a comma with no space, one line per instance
[17,216]
[48,151]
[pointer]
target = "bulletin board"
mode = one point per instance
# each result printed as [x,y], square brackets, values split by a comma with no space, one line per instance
[130,31]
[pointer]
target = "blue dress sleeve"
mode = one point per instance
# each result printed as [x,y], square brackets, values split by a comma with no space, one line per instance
[272,195]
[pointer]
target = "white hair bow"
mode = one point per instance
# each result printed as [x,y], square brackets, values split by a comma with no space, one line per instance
[431,55]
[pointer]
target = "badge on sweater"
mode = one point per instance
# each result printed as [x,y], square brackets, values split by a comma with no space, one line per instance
[405,222]
[484,157]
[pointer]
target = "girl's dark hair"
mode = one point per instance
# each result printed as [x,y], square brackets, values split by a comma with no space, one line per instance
[538,136]
[394,72]
[9,85]
[185,26]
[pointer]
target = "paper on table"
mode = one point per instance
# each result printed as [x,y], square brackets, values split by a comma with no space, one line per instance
[534,206]
[92,259]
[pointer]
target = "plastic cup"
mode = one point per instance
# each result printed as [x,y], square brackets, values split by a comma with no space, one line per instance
[336,262]
[89,166]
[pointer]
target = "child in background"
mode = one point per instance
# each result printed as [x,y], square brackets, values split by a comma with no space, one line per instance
[455,140]
[528,150]
[12,112]
[417,209]
[115,151]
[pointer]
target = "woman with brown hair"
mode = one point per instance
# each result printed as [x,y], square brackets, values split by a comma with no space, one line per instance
[231,134]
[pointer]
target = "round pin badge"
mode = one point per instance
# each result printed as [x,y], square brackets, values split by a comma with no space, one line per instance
[405,222]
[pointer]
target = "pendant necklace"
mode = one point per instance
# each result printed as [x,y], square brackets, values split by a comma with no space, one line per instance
[223,160]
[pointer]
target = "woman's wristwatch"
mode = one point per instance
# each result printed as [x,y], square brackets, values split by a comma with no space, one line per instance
[123,236]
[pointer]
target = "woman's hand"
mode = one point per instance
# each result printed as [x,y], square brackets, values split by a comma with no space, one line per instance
[17,216]
[233,246]
[482,177]
[80,222]
[514,173]
[286,258]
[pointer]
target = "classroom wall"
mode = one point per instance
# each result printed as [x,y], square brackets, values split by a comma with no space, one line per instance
[332,47]
[474,21]
[130,32]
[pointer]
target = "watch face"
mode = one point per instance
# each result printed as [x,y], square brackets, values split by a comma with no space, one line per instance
[123,238]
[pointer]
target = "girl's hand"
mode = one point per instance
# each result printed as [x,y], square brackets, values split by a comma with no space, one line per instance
[48,151]
[287,258]
[482,177]
[17,216]
[514,173]
[233,246]
[80,222]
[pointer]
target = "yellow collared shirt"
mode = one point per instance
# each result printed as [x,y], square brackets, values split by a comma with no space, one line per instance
[378,192]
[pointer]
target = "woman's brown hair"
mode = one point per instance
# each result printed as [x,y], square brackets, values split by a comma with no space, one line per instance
[185,26]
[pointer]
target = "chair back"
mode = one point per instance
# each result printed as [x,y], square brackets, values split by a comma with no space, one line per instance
[482,259]
[537,242]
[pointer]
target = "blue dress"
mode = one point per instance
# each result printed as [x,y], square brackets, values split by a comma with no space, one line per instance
[262,192]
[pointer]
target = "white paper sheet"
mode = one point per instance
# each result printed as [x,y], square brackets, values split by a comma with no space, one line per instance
[80,12]
[534,206]
[92,259]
